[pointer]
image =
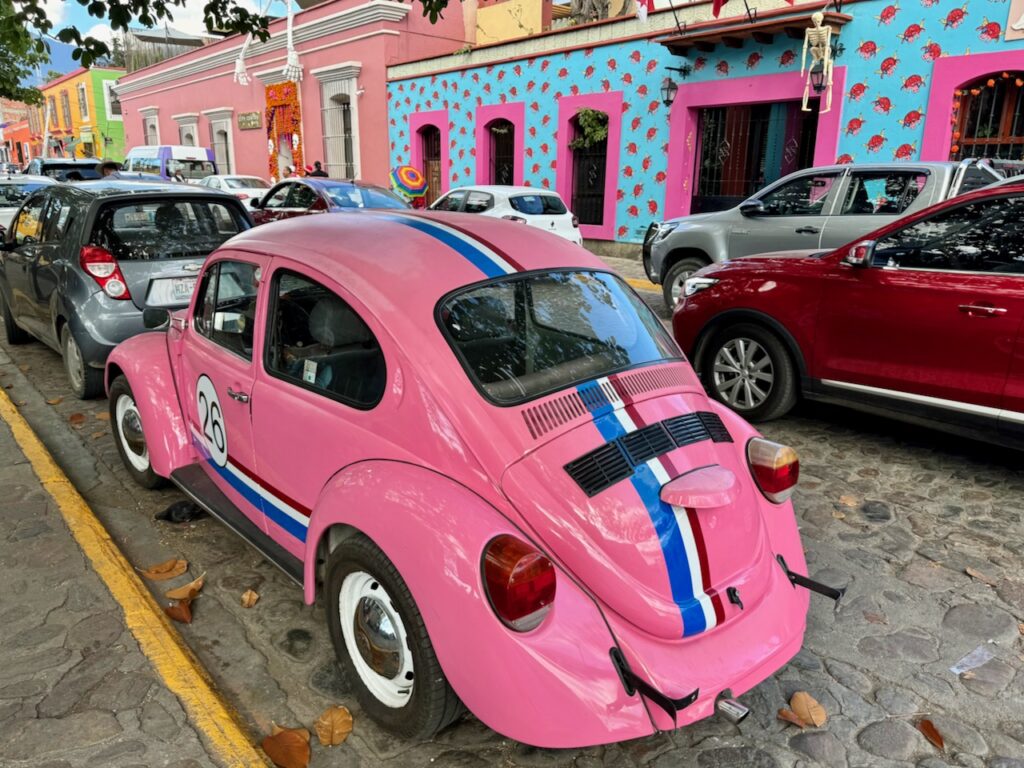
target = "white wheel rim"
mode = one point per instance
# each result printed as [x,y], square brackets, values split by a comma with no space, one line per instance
[375,639]
[129,422]
[75,364]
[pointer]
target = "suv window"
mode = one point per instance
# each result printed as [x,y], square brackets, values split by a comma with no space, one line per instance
[803,196]
[881,192]
[983,236]
[478,202]
[536,205]
[318,342]
[226,305]
[29,226]
[165,229]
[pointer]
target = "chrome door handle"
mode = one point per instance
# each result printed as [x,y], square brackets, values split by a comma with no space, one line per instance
[977,309]
[239,396]
[807,230]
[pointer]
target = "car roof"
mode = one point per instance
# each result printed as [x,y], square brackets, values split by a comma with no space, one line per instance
[109,187]
[504,189]
[27,178]
[319,181]
[90,161]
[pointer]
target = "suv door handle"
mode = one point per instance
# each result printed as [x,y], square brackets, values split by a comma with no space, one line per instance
[807,230]
[982,310]
[239,396]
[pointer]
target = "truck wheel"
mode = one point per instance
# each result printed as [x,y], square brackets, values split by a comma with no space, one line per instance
[382,645]
[129,436]
[747,368]
[86,382]
[672,285]
[15,335]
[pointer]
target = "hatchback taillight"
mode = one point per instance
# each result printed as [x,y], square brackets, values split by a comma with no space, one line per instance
[576,222]
[775,467]
[102,267]
[518,219]
[520,582]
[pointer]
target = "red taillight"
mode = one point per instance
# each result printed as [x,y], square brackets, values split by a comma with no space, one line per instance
[775,467]
[102,267]
[510,217]
[520,582]
[576,222]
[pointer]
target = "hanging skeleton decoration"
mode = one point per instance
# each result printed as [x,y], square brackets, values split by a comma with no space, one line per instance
[292,69]
[818,41]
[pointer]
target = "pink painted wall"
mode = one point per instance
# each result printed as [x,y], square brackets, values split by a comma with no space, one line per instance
[515,113]
[684,123]
[373,45]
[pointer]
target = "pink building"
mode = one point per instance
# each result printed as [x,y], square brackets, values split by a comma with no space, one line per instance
[336,113]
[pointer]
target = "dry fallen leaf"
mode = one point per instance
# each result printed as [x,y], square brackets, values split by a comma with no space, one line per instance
[103,416]
[180,611]
[848,501]
[875,618]
[838,515]
[333,726]
[287,747]
[791,717]
[276,729]
[167,570]
[98,435]
[927,727]
[1020,628]
[968,675]
[55,401]
[979,576]
[807,709]
[24,368]
[76,419]
[249,598]
[186,592]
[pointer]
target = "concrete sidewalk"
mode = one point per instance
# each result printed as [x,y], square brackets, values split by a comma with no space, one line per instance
[75,688]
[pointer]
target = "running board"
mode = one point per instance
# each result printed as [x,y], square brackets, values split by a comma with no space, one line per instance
[198,486]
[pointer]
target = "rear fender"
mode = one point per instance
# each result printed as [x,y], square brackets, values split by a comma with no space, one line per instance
[144,361]
[552,687]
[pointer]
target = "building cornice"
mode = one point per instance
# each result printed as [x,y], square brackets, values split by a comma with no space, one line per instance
[219,113]
[346,70]
[148,111]
[271,76]
[186,118]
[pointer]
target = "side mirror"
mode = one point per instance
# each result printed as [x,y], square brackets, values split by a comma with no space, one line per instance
[154,318]
[752,208]
[860,254]
[254,202]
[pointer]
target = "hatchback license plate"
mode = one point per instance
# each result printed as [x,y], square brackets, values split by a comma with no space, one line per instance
[170,290]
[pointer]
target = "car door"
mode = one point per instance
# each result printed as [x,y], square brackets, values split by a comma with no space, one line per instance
[933,322]
[274,204]
[792,217]
[45,266]
[27,244]
[219,348]
[302,200]
[450,202]
[320,401]
[869,200]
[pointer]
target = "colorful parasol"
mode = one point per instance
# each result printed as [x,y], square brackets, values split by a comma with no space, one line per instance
[409,181]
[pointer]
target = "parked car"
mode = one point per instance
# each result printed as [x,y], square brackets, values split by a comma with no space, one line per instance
[526,205]
[80,261]
[242,187]
[14,190]
[10,168]
[920,321]
[165,160]
[815,208]
[491,463]
[303,196]
[64,169]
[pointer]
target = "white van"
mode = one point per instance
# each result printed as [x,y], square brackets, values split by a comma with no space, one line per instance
[195,163]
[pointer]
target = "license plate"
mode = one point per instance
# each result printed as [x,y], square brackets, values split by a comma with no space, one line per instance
[169,291]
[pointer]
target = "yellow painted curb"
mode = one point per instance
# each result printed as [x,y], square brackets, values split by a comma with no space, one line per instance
[643,285]
[173,661]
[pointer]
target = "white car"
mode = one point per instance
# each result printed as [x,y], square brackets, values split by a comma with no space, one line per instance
[539,208]
[14,190]
[242,187]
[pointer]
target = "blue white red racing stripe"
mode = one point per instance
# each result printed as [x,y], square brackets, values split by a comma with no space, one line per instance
[285,512]
[678,532]
[485,257]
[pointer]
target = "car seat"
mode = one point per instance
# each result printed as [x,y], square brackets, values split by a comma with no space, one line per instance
[861,203]
[482,330]
[353,366]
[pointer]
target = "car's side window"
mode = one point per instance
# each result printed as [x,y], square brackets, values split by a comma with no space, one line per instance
[279,198]
[318,342]
[301,196]
[225,310]
[983,236]
[215,183]
[56,220]
[803,196]
[29,226]
[881,192]
[452,202]
[478,202]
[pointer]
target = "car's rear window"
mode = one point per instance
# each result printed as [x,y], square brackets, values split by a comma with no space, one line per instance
[246,182]
[525,336]
[165,228]
[538,205]
[12,195]
[70,171]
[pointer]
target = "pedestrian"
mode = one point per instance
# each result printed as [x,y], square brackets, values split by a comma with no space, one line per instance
[318,170]
[178,176]
[289,171]
[107,168]
[308,170]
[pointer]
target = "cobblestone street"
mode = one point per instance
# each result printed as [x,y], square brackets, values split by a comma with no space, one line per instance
[897,514]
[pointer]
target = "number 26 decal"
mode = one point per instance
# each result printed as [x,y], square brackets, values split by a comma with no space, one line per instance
[211,421]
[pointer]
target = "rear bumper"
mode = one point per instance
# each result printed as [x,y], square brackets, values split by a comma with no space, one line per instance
[100,323]
[654,275]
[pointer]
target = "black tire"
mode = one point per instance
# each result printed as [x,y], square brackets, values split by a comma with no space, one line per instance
[780,395]
[143,475]
[85,381]
[432,704]
[15,334]
[681,270]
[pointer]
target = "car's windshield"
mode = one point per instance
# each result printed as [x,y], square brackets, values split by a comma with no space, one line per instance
[351,196]
[191,169]
[246,182]
[526,336]
[165,228]
[12,195]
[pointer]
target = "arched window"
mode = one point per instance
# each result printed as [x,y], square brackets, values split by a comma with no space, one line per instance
[502,135]
[990,118]
[430,138]
[589,147]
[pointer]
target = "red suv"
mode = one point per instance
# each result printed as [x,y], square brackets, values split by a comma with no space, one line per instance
[921,321]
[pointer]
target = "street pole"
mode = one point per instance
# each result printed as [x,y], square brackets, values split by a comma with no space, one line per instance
[46,129]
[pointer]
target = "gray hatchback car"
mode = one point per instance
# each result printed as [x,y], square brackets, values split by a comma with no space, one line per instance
[80,262]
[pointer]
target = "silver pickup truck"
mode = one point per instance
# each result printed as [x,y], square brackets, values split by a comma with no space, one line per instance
[821,207]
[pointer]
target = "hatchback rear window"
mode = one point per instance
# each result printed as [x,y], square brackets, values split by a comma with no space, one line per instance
[165,229]
[522,337]
[538,205]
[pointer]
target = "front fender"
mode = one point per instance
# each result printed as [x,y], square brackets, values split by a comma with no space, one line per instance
[552,687]
[145,362]
[706,237]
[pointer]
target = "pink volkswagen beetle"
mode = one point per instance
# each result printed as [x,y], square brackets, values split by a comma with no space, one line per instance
[492,464]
